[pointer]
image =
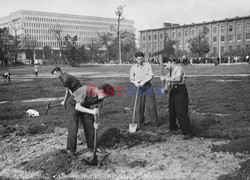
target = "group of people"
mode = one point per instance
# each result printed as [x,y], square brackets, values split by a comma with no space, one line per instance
[79,100]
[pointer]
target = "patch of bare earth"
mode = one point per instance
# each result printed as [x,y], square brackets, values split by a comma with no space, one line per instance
[143,155]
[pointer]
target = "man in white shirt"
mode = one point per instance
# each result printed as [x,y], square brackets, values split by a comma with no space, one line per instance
[178,99]
[140,75]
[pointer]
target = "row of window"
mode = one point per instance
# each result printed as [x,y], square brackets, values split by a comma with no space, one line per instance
[64,33]
[56,26]
[53,20]
[230,48]
[53,38]
[231,37]
[38,44]
[238,28]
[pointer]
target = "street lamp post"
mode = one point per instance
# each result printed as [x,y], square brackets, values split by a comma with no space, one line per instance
[119,13]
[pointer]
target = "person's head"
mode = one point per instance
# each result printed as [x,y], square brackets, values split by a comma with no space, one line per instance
[139,56]
[57,71]
[106,90]
[167,62]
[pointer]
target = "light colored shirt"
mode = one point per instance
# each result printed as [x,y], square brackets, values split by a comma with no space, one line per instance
[36,68]
[141,73]
[178,73]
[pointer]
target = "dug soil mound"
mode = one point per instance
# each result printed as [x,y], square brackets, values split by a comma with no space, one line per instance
[54,163]
[113,138]
[241,145]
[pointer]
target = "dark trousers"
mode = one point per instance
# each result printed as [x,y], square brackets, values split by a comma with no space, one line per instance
[178,109]
[73,118]
[146,99]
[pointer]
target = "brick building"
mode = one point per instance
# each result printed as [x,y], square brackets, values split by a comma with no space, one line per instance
[224,35]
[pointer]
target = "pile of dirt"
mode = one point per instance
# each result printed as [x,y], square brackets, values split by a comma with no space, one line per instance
[54,163]
[241,174]
[113,138]
[241,145]
[21,130]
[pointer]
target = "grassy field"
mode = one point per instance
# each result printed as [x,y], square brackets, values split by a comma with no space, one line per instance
[219,108]
[219,98]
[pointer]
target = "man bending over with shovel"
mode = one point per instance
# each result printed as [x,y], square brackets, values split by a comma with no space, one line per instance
[78,100]
[140,75]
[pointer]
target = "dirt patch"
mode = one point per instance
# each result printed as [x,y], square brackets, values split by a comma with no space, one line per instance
[242,174]
[142,155]
[114,138]
[54,163]
[241,145]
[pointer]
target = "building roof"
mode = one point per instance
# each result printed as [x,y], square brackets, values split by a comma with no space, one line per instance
[194,24]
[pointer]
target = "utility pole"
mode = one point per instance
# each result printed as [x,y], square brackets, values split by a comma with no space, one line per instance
[119,14]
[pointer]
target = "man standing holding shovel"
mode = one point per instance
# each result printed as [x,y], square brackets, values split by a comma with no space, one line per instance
[140,75]
[178,99]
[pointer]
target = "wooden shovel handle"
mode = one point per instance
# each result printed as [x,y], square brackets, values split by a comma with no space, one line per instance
[133,121]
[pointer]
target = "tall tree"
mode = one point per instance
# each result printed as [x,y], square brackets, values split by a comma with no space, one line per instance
[199,45]
[128,44]
[71,50]
[47,52]
[14,28]
[106,39]
[168,48]
[94,47]
[6,41]
[29,44]
[57,32]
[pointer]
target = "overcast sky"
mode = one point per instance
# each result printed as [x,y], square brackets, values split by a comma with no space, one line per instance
[147,14]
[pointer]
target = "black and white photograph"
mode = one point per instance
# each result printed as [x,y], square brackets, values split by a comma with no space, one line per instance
[125,90]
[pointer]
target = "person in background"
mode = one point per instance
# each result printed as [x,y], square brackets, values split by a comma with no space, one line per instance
[36,67]
[6,77]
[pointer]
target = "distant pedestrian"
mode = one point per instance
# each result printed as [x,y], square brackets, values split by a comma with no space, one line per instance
[36,67]
[6,77]
[178,100]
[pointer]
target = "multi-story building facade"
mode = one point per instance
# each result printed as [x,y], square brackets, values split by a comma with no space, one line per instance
[223,36]
[41,26]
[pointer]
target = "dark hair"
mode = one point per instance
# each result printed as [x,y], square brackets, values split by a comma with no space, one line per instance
[139,54]
[108,89]
[56,69]
[166,60]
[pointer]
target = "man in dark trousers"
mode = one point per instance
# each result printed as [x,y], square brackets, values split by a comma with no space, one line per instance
[78,100]
[178,99]
[6,77]
[140,75]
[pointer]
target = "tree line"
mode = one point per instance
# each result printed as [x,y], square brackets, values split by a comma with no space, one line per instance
[102,49]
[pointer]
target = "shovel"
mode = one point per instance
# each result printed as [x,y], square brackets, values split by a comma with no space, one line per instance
[51,106]
[133,126]
[94,161]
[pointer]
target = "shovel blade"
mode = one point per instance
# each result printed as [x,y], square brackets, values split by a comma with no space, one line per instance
[132,128]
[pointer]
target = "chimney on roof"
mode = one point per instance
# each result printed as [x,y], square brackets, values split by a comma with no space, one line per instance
[175,25]
[166,25]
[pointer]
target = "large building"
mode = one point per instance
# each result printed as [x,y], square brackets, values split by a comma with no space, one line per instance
[41,26]
[223,36]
